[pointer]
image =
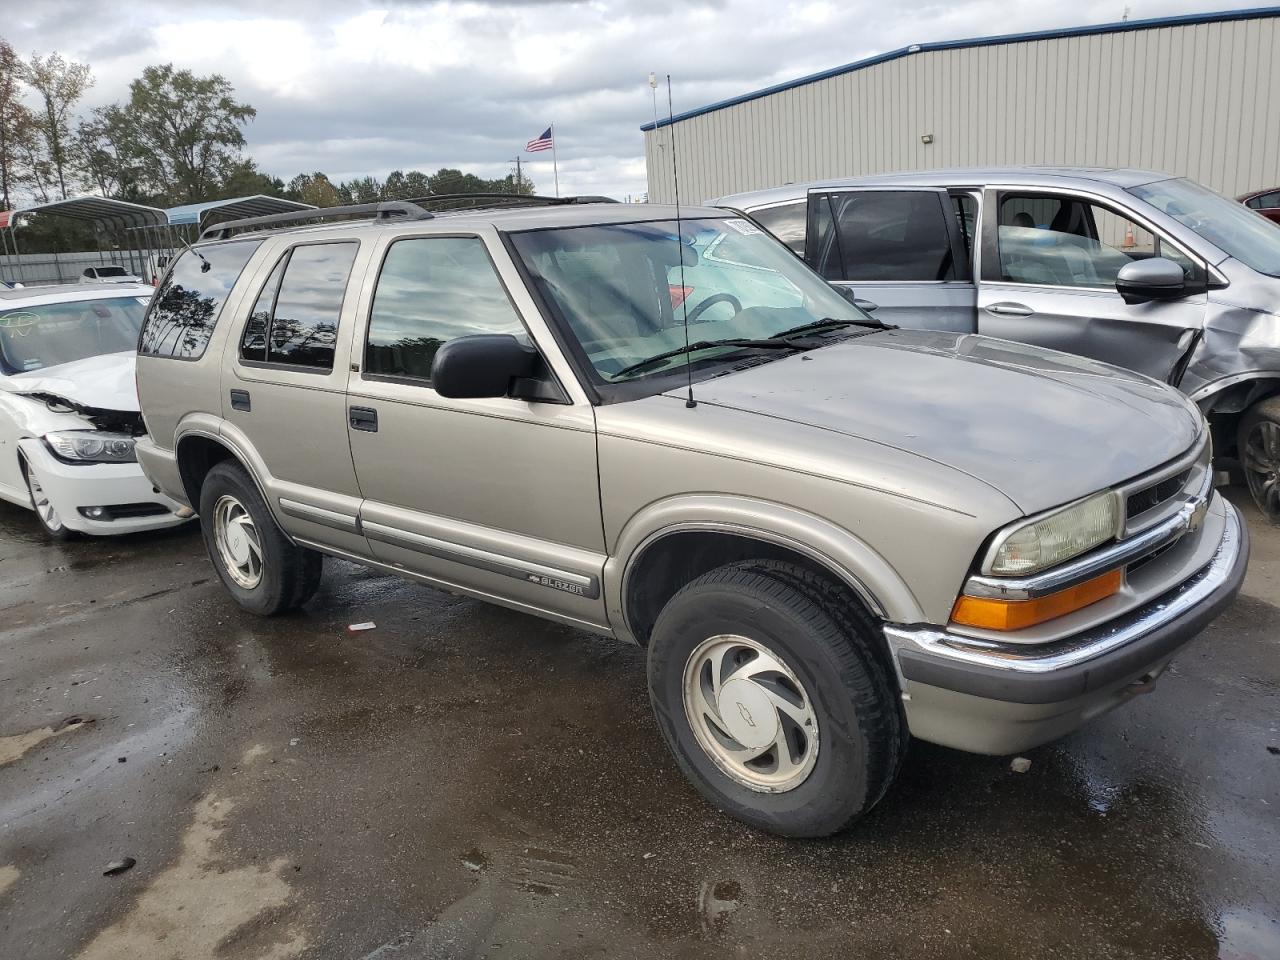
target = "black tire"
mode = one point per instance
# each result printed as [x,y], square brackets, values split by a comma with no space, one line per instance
[59,533]
[826,640]
[289,574]
[1259,426]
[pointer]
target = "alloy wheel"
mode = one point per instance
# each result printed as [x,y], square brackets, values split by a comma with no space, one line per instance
[40,501]
[1262,466]
[239,545]
[750,713]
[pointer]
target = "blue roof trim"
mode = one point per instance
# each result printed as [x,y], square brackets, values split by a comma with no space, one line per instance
[1123,26]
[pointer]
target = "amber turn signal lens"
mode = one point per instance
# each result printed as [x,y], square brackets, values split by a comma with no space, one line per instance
[990,614]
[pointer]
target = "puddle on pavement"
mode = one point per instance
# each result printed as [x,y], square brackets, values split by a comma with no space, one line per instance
[1246,935]
[15,747]
[717,902]
[202,907]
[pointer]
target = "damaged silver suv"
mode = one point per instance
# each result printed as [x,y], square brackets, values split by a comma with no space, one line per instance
[829,535]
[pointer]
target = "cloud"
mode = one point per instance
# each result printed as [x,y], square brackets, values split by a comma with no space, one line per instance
[354,87]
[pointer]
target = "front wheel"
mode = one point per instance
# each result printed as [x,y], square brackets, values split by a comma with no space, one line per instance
[772,701]
[50,521]
[259,566]
[1259,443]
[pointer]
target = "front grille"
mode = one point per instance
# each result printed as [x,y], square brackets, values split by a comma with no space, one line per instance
[1148,498]
[1160,494]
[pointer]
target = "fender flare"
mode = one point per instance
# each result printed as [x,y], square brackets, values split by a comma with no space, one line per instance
[1211,389]
[212,428]
[849,558]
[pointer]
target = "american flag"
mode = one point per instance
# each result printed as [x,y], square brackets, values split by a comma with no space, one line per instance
[543,142]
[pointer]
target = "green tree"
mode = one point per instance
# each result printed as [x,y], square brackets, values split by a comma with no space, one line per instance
[187,134]
[361,190]
[17,126]
[315,189]
[60,84]
[103,140]
[244,179]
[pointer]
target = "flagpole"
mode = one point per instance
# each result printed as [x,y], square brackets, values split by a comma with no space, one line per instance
[555,166]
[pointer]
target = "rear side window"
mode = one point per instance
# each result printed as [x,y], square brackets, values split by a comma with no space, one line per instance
[885,235]
[295,318]
[786,222]
[430,290]
[185,309]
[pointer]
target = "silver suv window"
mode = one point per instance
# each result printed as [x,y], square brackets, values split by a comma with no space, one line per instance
[431,290]
[1229,226]
[295,319]
[786,221]
[185,309]
[1065,241]
[625,290]
[883,235]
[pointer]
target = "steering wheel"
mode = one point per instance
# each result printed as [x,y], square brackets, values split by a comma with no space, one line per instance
[711,301]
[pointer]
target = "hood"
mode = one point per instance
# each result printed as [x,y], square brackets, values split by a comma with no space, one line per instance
[105,383]
[1042,427]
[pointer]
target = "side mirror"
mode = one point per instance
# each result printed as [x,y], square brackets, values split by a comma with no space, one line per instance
[1153,279]
[866,306]
[482,365]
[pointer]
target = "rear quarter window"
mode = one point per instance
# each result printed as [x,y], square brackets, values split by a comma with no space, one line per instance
[185,310]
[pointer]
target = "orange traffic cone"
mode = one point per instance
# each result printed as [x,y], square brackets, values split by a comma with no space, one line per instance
[1129,242]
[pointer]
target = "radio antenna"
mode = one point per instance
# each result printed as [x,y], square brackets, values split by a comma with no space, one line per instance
[690,403]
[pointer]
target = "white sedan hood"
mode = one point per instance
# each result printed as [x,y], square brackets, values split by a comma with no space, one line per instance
[105,383]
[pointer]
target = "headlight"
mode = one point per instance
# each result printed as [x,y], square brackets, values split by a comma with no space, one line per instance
[92,446]
[1039,544]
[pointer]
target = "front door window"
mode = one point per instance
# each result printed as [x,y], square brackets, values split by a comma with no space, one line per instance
[1067,241]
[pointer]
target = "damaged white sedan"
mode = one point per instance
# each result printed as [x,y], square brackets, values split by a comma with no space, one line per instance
[69,410]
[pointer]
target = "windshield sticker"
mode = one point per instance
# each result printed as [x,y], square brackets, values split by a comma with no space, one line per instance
[744,228]
[19,321]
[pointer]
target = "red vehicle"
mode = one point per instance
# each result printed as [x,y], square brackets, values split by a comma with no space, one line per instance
[1266,202]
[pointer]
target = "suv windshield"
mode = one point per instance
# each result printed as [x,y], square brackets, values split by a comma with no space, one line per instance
[1230,226]
[624,292]
[36,337]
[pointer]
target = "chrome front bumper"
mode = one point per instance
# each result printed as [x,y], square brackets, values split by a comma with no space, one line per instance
[1079,664]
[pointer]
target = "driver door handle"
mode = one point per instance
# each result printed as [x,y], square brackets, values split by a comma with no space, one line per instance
[363,418]
[1010,310]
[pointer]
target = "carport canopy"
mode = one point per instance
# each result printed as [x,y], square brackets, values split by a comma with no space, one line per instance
[113,218]
[259,205]
[117,213]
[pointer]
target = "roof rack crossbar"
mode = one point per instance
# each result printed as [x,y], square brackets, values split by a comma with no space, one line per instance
[386,210]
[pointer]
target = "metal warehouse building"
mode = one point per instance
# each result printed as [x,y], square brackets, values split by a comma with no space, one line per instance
[1194,95]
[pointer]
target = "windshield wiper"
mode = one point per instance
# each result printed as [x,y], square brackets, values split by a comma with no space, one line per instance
[740,342]
[829,323]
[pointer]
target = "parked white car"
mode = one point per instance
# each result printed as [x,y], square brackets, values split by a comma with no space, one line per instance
[108,274]
[69,410]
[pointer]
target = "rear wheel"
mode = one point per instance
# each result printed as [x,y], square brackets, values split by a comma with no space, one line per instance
[1259,444]
[262,569]
[772,701]
[46,513]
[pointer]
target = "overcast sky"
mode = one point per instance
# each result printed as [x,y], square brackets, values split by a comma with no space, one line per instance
[353,87]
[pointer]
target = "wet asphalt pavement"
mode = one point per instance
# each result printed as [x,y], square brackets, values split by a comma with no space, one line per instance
[468,781]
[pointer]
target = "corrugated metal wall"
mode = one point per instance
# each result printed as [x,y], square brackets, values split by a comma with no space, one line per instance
[1199,100]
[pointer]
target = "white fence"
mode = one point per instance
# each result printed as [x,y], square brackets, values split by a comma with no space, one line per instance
[37,268]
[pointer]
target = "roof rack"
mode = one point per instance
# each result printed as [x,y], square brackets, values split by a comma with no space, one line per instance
[443,200]
[386,210]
